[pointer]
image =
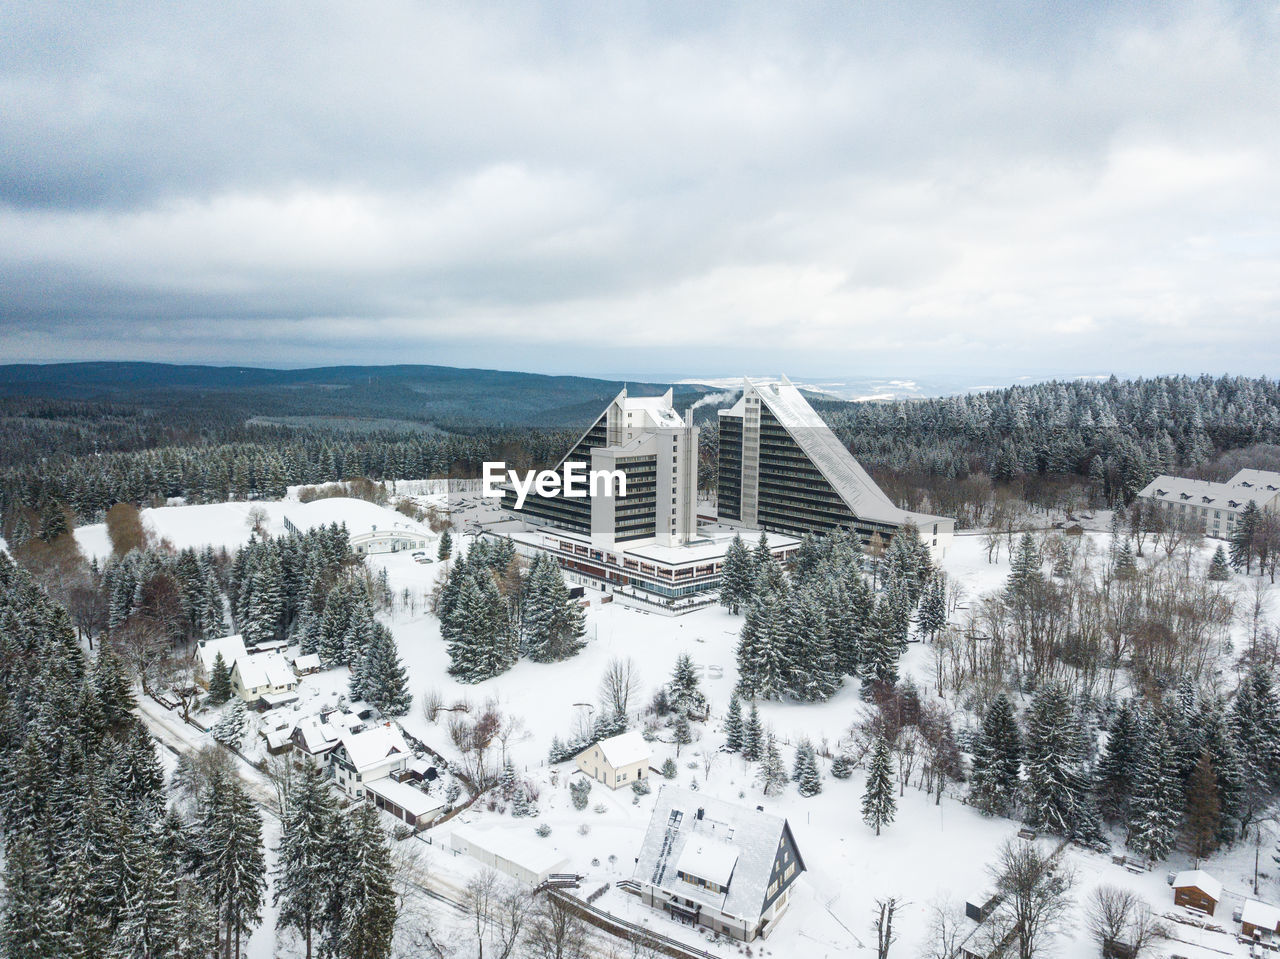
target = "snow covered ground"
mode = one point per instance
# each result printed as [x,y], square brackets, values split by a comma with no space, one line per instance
[931,853]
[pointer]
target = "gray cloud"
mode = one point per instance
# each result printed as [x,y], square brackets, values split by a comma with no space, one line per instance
[843,188]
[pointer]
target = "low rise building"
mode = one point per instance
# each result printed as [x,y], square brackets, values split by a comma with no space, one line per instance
[711,863]
[616,761]
[267,679]
[1216,506]
[513,850]
[370,754]
[1197,889]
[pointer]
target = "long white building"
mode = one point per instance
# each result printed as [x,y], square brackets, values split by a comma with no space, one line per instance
[1217,505]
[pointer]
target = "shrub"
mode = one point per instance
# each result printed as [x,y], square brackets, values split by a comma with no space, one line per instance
[669,768]
[579,790]
[543,830]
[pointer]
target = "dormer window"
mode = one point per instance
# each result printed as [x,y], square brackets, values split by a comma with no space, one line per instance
[1206,499]
[1161,492]
[1185,495]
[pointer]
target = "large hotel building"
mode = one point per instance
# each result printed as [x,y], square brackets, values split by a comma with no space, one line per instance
[781,471]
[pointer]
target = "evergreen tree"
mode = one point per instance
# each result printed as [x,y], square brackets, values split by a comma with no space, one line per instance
[772,774]
[681,733]
[752,735]
[219,681]
[1126,565]
[1156,804]
[53,521]
[482,645]
[230,729]
[762,646]
[150,923]
[1219,741]
[380,679]
[805,773]
[1219,569]
[446,546]
[112,688]
[878,800]
[362,909]
[733,728]
[232,867]
[1056,789]
[684,691]
[1203,821]
[554,622]
[736,576]
[812,667]
[881,649]
[302,859]
[997,760]
[31,923]
[1255,721]
[1242,537]
[842,767]
[1119,762]
[933,607]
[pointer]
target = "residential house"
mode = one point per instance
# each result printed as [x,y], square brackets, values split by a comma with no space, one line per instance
[616,761]
[715,864]
[367,755]
[268,679]
[231,648]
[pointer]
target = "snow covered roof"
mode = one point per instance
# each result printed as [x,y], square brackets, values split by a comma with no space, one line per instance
[372,746]
[1261,914]
[413,801]
[625,749]
[832,458]
[714,829]
[1201,880]
[518,844]
[1234,494]
[257,672]
[231,647]
[709,859]
[306,661]
[317,735]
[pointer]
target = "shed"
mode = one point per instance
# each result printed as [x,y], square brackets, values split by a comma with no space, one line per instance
[517,851]
[415,806]
[1259,920]
[1197,889]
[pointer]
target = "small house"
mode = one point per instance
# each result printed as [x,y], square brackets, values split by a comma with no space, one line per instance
[361,757]
[1259,920]
[617,761]
[306,664]
[1197,889]
[711,863]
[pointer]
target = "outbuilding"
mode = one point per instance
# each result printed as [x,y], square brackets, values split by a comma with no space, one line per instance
[1259,920]
[1197,889]
[516,851]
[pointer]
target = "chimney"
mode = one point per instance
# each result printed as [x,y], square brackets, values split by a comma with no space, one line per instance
[700,811]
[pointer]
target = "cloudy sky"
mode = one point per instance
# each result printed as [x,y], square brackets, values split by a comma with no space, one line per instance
[686,189]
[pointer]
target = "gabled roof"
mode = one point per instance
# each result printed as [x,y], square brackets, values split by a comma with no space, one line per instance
[624,749]
[269,670]
[372,746]
[316,736]
[231,647]
[712,832]
[1200,880]
[1261,914]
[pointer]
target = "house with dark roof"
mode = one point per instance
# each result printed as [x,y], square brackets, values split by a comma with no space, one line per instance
[711,863]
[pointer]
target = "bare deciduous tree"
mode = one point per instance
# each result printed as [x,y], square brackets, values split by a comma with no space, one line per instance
[1121,922]
[1036,890]
[883,925]
[946,930]
[620,683]
[554,932]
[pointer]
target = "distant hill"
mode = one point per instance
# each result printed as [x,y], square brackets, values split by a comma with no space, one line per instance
[443,396]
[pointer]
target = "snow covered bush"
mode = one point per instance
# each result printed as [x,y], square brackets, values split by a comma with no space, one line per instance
[641,787]
[579,790]
[543,830]
[669,768]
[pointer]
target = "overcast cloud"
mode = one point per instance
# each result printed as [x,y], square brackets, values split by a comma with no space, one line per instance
[851,188]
